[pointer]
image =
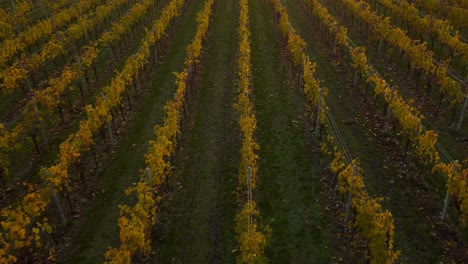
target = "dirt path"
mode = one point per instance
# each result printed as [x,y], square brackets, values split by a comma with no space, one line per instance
[200,218]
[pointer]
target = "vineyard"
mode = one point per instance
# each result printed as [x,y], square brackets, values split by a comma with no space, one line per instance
[246,131]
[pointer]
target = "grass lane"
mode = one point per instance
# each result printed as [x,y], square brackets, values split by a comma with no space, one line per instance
[97,228]
[413,202]
[289,193]
[200,218]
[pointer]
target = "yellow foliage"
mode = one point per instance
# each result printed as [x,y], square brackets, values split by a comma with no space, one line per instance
[136,222]
[421,57]
[251,237]
[426,147]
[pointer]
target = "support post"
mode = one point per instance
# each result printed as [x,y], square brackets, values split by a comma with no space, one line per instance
[335,40]
[301,73]
[355,79]
[348,203]
[156,57]
[16,17]
[109,127]
[136,84]
[319,112]
[387,123]
[380,45]
[249,194]
[249,184]
[56,199]
[59,37]
[44,135]
[148,176]
[111,52]
[28,83]
[83,81]
[462,115]
[447,196]
[334,44]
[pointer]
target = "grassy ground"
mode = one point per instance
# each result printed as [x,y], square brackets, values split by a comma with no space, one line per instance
[456,64]
[97,228]
[414,202]
[196,222]
[25,164]
[435,117]
[199,219]
[11,105]
[290,193]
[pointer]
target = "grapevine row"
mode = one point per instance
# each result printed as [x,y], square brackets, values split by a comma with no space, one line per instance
[50,97]
[13,21]
[11,47]
[421,58]
[8,142]
[409,120]
[16,220]
[136,222]
[251,236]
[374,224]
[442,29]
[15,75]
[28,7]
[28,12]
[55,6]
[456,11]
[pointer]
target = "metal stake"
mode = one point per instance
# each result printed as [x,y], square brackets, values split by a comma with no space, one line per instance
[447,196]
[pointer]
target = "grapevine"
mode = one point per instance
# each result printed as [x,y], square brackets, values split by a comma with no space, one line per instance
[375,224]
[441,29]
[408,118]
[15,75]
[136,222]
[71,148]
[11,47]
[421,57]
[50,97]
[251,235]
